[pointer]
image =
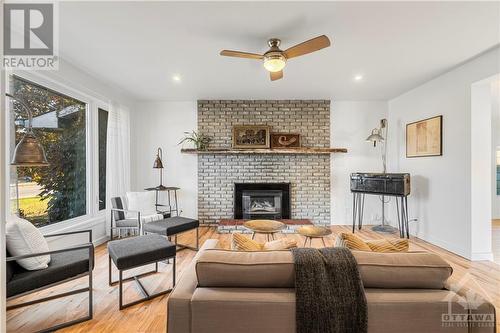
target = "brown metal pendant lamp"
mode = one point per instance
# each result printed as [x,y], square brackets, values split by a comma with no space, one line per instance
[28,152]
[158,164]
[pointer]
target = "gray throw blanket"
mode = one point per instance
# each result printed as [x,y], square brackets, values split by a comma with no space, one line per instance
[330,297]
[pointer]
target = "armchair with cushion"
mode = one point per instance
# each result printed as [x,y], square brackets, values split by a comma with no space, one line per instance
[130,213]
[65,265]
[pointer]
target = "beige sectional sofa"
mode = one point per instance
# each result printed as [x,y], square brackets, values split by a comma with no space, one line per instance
[245,292]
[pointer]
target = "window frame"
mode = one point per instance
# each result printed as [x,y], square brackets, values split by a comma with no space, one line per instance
[91,145]
[105,107]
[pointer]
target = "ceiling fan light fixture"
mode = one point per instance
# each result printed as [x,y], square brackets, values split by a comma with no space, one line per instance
[274,62]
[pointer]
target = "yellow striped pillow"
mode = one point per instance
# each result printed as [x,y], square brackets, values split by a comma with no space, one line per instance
[242,243]
[388,245]
[352,242]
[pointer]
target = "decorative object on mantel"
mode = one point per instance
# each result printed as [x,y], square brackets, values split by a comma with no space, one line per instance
[199,140]
[251,136]
[425,137]
[284,151]
[285,140]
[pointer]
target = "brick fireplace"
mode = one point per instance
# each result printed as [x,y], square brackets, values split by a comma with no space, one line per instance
[308,175]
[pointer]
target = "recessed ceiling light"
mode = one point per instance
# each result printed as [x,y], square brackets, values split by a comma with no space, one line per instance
[358,77]
[176,78]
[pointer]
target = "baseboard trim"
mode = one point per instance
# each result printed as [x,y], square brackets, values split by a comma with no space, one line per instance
[100,240]
[482,256]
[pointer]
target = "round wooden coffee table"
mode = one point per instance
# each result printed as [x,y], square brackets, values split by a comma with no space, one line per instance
[312,231]
[267,227]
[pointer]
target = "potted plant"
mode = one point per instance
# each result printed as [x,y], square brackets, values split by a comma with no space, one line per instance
[199,140]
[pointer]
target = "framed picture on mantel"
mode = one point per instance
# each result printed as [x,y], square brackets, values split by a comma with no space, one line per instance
[251,136]
[425,137]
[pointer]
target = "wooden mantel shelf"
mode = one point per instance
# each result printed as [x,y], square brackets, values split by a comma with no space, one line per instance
[289,151]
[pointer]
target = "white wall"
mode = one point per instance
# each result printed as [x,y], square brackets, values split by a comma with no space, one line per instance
[350,123]
[441,186]
[495,131]
[162,125]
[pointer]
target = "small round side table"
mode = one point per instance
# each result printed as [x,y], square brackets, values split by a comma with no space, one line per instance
[312,231]
[267,227]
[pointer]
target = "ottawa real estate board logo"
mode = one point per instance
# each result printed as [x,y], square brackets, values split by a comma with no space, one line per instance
[29,35]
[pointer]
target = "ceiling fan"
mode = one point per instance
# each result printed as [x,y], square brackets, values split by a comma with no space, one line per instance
[275,59]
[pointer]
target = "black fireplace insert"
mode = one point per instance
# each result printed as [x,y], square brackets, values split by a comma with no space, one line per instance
[262,201]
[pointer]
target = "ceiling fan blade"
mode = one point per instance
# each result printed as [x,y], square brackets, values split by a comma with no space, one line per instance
[308,46]
[229,53]
[276,75]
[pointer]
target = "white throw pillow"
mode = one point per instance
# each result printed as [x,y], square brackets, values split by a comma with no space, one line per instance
[22,237]
[143,202]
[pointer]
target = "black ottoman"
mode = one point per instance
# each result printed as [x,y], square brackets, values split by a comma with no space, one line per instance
[138,251]
[172,226]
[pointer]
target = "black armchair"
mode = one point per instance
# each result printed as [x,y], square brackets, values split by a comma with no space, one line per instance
[66,264]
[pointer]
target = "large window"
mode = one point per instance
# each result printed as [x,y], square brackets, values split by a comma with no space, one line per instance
[60,191]
[103,132]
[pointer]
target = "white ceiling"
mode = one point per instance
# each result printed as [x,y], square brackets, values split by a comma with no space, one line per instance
[139,46]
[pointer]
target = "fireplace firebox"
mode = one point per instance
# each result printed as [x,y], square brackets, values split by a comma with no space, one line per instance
[262,201]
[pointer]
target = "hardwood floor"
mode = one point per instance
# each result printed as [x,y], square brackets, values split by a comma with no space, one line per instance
[151,316]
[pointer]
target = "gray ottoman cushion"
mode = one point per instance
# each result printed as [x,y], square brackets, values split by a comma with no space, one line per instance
[171,226]
[140,250]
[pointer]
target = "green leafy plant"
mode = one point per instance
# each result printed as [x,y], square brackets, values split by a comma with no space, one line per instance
[199,140]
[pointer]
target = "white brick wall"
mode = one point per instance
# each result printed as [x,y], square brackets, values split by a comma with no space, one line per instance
[308,174]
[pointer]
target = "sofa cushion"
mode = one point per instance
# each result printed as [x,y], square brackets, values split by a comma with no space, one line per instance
[22,238]
[222,268]
[275,269]
[62,266]
[402,270]
[179,301]
[243,310]
[413,311]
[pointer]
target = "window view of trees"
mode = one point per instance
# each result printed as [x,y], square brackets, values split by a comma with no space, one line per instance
[45,195]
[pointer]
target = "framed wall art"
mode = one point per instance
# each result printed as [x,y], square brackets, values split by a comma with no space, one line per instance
[251,136]
[425,137]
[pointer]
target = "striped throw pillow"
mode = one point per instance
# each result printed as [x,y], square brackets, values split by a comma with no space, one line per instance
[352,242]
[242,243]
[388,245]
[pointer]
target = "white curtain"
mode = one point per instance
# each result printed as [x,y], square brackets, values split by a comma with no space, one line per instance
[117,156]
